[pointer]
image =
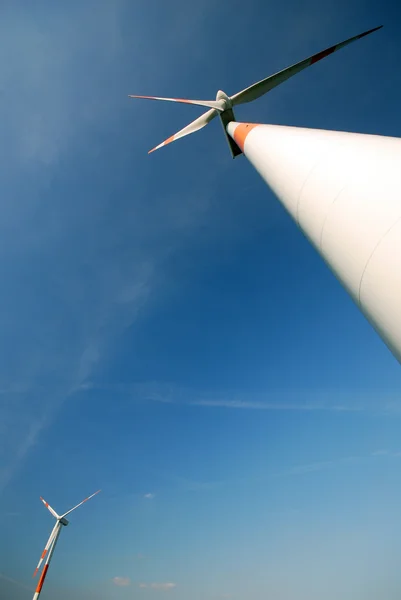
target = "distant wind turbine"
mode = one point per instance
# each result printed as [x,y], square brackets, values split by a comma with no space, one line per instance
[52,541]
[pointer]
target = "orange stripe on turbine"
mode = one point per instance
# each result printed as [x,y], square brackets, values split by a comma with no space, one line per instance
[241,133]
[168,141]
[42,578]
[44,553]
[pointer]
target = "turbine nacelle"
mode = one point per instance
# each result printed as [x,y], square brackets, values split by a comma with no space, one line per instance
[64,521]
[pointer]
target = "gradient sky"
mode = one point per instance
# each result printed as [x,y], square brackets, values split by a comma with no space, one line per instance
[166,332]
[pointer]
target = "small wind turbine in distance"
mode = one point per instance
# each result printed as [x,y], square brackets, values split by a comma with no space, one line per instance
[223,105]
[48,552]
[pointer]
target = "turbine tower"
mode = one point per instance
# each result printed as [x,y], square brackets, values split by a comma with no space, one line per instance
[48,552]
[344,192]
[342,189]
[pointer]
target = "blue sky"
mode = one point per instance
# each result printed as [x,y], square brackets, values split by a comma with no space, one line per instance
[166,332]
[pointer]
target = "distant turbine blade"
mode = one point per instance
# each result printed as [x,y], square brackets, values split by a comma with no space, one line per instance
[200,122]
[46,550]
[83,501]
[50,508]
[265,85]
[217,105]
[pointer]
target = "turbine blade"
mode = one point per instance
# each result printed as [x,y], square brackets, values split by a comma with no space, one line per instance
[53,512]
[265,85]
[217,105]
[200,122]
[46,550]
[83,501]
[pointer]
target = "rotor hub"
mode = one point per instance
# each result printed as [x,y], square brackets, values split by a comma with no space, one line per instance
[222,96]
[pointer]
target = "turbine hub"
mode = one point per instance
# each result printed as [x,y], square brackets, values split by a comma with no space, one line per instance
[64,521]
[222,96]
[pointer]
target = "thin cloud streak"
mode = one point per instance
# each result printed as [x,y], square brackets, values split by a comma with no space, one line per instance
[242,404]
[162,587]
[50,115]
[45,114]
[329,464]
[121,581]
[16,582]
[166,393]
[188,485]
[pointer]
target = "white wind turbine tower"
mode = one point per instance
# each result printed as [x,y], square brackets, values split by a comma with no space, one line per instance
[48,552]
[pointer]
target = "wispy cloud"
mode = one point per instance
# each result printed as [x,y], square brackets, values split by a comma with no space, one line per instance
[46,105]
[297,470]
[273,406]
[161,587]
[190,485]
[18,448]
[78,267]
[121,581]
[302,401]
[164,587]
[44,98]
[149,496]
[16,582]
[285,400]
[319,466]
[336,462]
[388,453]
[380,453]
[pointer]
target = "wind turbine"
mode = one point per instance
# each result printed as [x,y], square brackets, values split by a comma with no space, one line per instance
[342,189]
[48,552]
[223,105]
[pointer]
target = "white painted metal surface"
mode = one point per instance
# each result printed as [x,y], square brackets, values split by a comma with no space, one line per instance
[344,191]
